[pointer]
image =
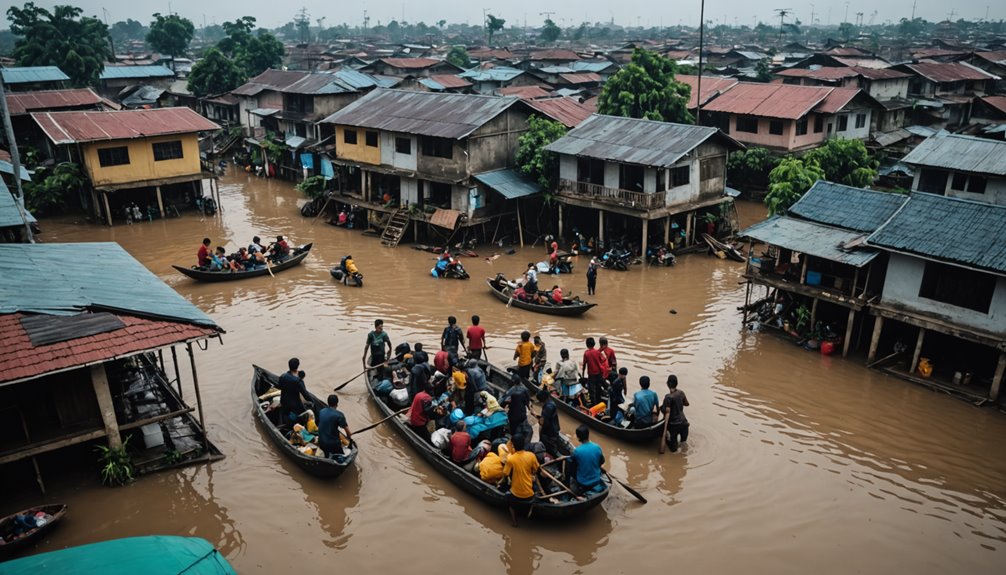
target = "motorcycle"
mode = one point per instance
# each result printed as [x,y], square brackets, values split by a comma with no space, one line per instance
[347,278]
[564,265]
[660,257]
[449,268]
[206,205]
[616,259]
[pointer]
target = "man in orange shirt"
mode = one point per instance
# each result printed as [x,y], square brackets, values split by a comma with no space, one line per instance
[522,469]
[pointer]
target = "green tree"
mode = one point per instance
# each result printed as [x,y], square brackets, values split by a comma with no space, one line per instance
[255,53]
[50,187]
[751,167]
[846,30]
[124,31]
[215,74]
[646,88]
[458,56]
[789,181]
[78,45]
[550,32]
[845,162]
[762,72]
[170,35]
[532,159]
[493,25]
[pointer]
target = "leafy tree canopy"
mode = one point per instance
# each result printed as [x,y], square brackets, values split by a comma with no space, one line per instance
[215,74]
[458,56]
[493,25]
[170,34]
[129,29]
[550,32]
[789,181]
[78,45]
[255,53]
[751,167]
[646,88]
[532,159]
[845,162]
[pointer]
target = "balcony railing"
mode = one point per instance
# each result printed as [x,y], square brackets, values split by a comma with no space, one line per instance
[626,198]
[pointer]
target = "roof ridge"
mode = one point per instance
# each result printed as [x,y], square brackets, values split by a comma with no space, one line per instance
[647,120]
[928,195]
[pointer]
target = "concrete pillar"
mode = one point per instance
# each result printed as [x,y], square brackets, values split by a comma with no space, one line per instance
[99,379]
[997,379]
[160,201]
[560,221]
[688,228]
[848,332]
[667,230]
[600,226]
[646,234]
[108,210]
[918,350]
[813,314]
[875,339]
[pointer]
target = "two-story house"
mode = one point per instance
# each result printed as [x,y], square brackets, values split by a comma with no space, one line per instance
[146,157]
[631,172]
[961,167]
[424,156]
[943,305]
[943,92]
[888,87]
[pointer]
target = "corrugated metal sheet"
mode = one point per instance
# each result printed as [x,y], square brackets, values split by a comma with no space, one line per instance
[632,141]
[712,86]
[523,92]
[876,63]
[445,218]
[308,83]
[23,102]
[130,72]
[74,127]
[497,74]
[997,102]
[769,100]
[836,100]
[509,183]
[565,110]
[7,167]
[77,277]
[892,137]
[847,207]
[957,152]
[554,54]
[948,229]
[410,63]
[597,67]
[425,113]
[10,216]
[445,81]
[31,74]
[811,238]
[950,72]
[584,78]
[995,57]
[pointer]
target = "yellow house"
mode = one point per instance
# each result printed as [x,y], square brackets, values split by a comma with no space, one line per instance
[133,156]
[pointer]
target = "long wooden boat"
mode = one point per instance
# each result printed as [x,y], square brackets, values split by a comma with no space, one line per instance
[641,435]
[570,307]
[151,555]
[544,508]
[11,544]
[717,246]
[262,381]
[297,255]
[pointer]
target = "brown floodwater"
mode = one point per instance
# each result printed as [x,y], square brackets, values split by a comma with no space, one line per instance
[796,461]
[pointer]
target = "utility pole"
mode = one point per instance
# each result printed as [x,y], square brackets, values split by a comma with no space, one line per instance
[698,87]
[811,16]
[913,9]
[846,20]
[15,160]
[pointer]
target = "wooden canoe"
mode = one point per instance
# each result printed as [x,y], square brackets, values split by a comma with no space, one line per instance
[317,466]
[297,255]
[717,246]
[11,545]
[569,308]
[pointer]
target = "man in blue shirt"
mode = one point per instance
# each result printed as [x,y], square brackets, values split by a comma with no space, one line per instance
[644,403]
[329,421]
[587,461]
[291,390]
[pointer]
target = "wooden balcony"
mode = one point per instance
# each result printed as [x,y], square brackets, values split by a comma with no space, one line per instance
[625,198]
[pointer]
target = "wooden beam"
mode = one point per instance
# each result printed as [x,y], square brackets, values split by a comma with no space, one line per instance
[160,201]
[99,380]
[918,350]
[997,379]
[520,226]
[688,228]
[813,314]
[646,235]
[178,374]
[848,332]
[199,399]
[108,210]
[155,419]
[803,270]
[875,339]
[667,231]
[559,206]
[34,449]
[600,226]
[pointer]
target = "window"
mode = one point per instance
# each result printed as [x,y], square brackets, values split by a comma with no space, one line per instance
[960,182]
[860,121]
[775,127]
[958,286]
[747,124]
[711,168]
[843,123]
[403,146]
[590,170]
[113,156]
[438,147]
[680,176]
[794,81]
[630,177]
[963,182]
[349,137]
[818,124]
[933,181]
[371,138]
[801,127]
[166,151]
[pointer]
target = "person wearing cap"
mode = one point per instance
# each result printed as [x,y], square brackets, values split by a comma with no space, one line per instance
[591,276]
[330,419]
[673,408]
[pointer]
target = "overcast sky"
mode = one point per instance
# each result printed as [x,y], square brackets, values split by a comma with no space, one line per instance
[567,12]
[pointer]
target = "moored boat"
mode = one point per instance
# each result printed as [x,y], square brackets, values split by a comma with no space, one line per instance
[35,523]
[569,307]
[296,256]
[728,250]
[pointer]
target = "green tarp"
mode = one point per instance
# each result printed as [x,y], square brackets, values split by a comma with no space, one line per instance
[154,555]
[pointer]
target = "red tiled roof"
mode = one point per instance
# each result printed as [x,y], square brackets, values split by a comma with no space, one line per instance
[74,127]
[712,86]
[836,100]
[23,102]
[556,54]
[997,102]
[583,78]
[523,92]
[769,100]
[414,63]
[450,81]
[19,359]
[565,110]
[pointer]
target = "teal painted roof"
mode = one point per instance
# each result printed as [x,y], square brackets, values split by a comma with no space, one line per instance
[31,74]
[129,72]
[150,555]
[8,168]
[811,238]
[847,207]
[963,232]
[65,279]
[509,183]
[10,216]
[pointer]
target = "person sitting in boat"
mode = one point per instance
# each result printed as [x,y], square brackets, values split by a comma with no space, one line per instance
[280,249]
[240,259]
[330,419]
[557,295]
[531,279]
[644,405]
[219,261]
[256,252]
[520,294]
[587,460]
[203,255]
[349,269]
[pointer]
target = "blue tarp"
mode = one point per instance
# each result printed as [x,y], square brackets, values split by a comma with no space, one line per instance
[326,169]
[152,555]
[478,424]
[307,160]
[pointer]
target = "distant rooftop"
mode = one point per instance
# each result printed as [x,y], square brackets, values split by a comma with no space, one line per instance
[31,74]
[114,72]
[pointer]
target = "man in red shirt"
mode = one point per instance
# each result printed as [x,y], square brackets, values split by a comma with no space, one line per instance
[204,254]
[593,365]
[609,356]
[476,339]
[419,413]
[441,362]
[461,443]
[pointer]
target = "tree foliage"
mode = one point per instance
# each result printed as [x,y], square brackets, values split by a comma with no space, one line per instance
[215,74]
[751,167]
[532,159]
[50,187]
[493,25]
[789,181]
[845,162]
[550,32]
[646,88]
[78,45]
[126,30]
[170,34]
[458,56]
[255,53]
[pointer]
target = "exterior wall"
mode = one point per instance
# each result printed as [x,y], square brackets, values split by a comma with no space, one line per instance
[494,145]
[389,157]
[888,89]
[902,284]
[852,133]
[567,167]
[141,164]
[995,189]
[361,152]
[788,140]
[459,198]
[409,191]
[327,105]
[611,174]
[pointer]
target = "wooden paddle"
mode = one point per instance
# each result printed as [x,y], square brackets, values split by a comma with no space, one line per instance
[373,425]
[663,436]
[560,483]
[631,491]
[359,374]
[268,268]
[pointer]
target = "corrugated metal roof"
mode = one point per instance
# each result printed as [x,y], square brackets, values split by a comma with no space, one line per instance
[948,229]
[523,92]
[128,72]
[997,102]
[876,63]
[64,279]
[950,72]
[444,82]
[565,110]
[442,115]
[23,102]
[847,207]
[411,63]
[712,86]
[7,167]
[811,238]
[31,74]
[75,127]
[509,183]
[839,72]
[583,78]
[769,100]
[995,57]
[553,54]
[144,96]
[957,152]
[583,66]
[343,81]
[633,141]
[892,137]
[836,100]
[497,74]
[10,216]
[921,131]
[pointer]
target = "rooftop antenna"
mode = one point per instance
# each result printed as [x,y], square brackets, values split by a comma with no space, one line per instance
[782,12]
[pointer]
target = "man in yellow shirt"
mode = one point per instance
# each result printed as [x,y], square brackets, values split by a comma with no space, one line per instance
[524,354]
[522,469]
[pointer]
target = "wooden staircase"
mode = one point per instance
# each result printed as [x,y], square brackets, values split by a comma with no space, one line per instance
[397,224]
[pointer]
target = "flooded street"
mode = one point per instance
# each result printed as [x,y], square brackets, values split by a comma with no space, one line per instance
[795,462]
